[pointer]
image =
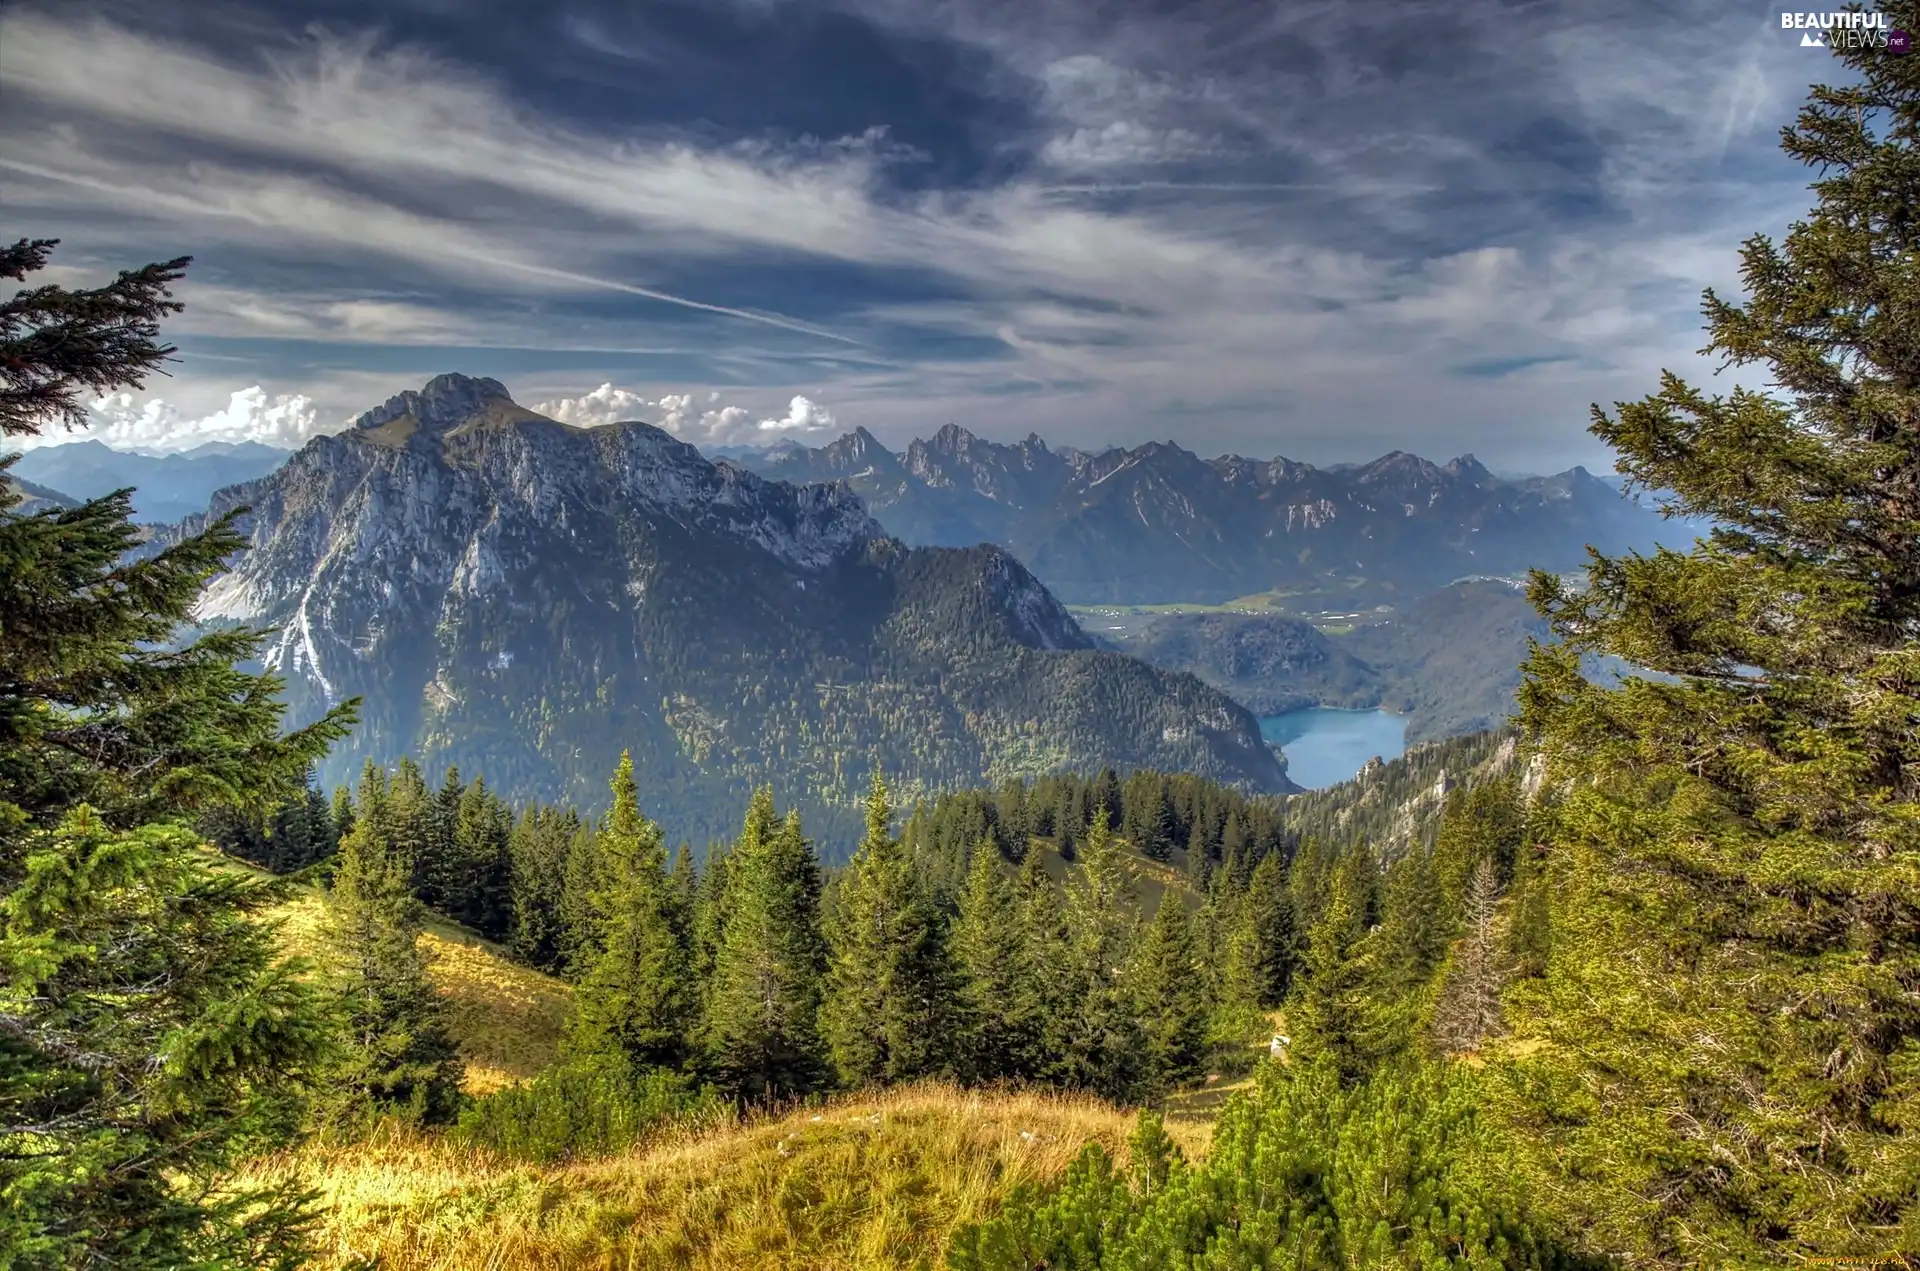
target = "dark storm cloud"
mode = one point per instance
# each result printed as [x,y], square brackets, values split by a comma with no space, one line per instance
[1320,230]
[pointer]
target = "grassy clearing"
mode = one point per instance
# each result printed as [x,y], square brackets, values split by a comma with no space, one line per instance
[861,1183]
[506,1018]
[866,1182]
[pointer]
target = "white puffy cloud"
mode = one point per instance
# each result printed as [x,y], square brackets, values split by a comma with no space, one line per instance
[604,405]
[803,416]
[156,425]
[681,415]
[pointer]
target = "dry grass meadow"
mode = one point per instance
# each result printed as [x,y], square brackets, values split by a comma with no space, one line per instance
[858,1184]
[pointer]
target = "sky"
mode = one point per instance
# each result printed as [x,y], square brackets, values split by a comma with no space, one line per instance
[1318,230]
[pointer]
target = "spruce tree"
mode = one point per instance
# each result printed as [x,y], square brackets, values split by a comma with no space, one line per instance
[1039,1004]
[579,932]
[762,1027]
[1199,863]
[635,998]
[484,833]
[1269,915]
[1727,1044]
[150,1032]
[409,827]
[538,850]
[1469,1009]
[1101,1044]
[708,921]
[1404,952]
[684,884]
[1327,1015]
[442,873]
[342,809]
[1169,997]
[985,944]
[399,1058]
[889,990]
[1530,924]
[1236,1009]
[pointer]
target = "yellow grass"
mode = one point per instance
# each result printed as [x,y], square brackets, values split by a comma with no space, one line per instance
[866,1182]
[506,1018]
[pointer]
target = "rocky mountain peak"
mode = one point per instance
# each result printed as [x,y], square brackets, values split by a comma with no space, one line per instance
[446,402]
[952,439]
[859,444]
[1470,470]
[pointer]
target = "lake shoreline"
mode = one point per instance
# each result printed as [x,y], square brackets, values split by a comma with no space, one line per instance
[1326,745]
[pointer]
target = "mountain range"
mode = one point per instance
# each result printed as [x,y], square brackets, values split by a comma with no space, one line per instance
[525,599]
[166,487]
[1158,524]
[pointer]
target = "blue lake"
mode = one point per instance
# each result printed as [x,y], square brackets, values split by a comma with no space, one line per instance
[1325,747]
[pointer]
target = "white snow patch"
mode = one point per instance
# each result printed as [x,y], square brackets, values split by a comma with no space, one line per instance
[229,596]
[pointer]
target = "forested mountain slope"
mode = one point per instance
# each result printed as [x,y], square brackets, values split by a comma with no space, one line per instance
[526,599]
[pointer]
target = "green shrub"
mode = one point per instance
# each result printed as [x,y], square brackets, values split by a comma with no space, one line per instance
[584,1107]
[1302,1173]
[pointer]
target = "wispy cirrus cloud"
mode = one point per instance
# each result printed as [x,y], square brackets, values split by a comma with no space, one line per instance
[1260,228]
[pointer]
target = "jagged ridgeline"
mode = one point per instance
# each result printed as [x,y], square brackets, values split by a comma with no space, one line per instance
[1158,523]
[525,599]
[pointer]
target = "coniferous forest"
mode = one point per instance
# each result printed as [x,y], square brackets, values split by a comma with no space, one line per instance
[1636,984]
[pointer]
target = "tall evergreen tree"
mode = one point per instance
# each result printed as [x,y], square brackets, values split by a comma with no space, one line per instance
[1170,998]
[1469,1010]
[579,931]
[1327,1015]
[1405,951]
[1199,861]
[985,944]
[1148,822]
[708,920]
[635,998]
[483,833]
[149,1031]
[762,1027]
[342,809]
[407,832]
[1237,998]
[1039,1003]
[538,850]
[1101,1046]
[886,1014]
[441,875]
[1731,1010]
[399,1057]
[1269,915]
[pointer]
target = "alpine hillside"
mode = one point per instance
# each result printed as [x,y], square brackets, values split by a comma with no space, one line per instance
[1158,523]
[525,599]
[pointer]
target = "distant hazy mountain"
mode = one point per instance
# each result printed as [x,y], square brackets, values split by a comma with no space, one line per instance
[1451,660]
[166,487]
[525,599]
[37,497]
[1158,523]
